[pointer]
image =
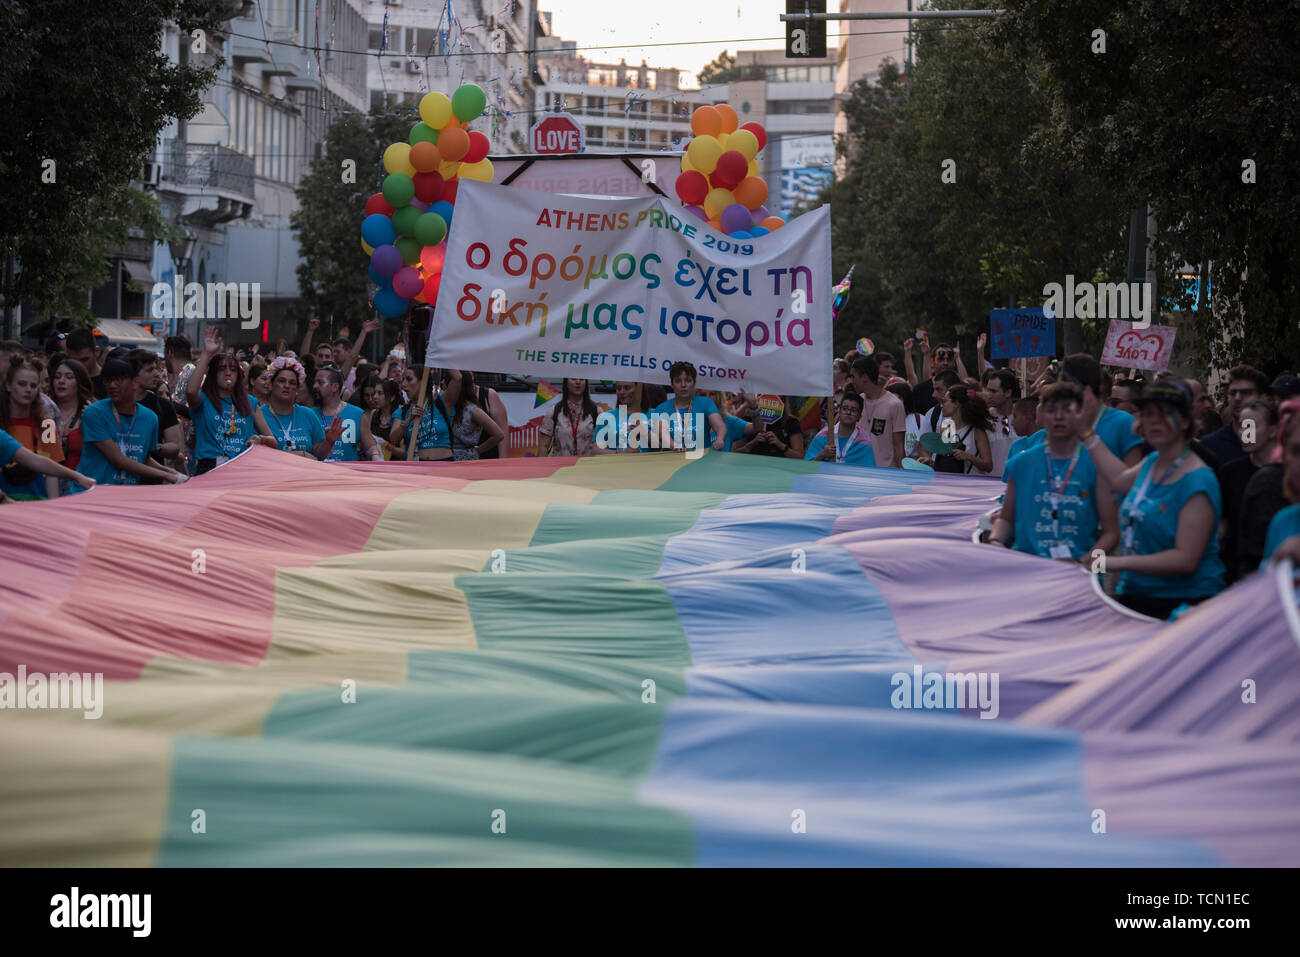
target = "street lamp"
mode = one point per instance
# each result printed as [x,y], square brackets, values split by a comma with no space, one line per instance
[182,250]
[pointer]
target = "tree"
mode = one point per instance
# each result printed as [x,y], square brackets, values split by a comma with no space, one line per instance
[723,69]
[85,91]
[1197,113]
[332,275]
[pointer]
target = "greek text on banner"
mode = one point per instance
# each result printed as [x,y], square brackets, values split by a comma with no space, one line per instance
[596,288]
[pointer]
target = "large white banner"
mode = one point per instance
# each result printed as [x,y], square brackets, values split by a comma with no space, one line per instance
[557,286]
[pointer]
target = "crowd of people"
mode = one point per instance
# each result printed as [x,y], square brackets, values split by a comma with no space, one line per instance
[1176,496]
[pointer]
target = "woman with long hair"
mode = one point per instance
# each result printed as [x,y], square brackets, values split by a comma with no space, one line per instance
[449,412]
[259,381]
[570,429]
[73,391]
[1170,511]
[222,410]
[470,422]
[382,415]
[969,439]
[486,398]
[23,415]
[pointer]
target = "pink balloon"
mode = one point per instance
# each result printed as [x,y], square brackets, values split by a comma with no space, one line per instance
[407,283]
[698,212]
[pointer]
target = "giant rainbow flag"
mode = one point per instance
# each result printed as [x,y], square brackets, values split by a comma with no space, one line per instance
[620,660]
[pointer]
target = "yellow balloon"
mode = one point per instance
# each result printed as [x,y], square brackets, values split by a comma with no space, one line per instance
[448,168]
[435,109]
[753,168]
[367,247]
[704,152]
[481,171]
[686,163]
[743,142]
[397,159]
[716,201]
[723,140]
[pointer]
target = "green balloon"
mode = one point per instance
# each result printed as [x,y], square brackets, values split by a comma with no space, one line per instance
[410,250]
[429,229]
[423,133]
[404,220]
[468,102]
[398,189]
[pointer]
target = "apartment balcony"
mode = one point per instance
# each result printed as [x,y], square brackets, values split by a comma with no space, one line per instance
[215,183]
[243,51]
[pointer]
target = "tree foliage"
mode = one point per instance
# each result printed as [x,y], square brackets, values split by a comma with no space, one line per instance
[1052,145]
[723,69]
[333,275]
[87,86]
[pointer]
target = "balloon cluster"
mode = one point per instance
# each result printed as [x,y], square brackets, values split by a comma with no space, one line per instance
[405,229]
[719,182]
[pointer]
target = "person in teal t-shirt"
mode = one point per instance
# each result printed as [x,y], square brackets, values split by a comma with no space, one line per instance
[1169,517]
[118,434]
[1114,427]
[851,444]
[334,412]
[287,426]
[680,413]
[1055,505]
[219,405]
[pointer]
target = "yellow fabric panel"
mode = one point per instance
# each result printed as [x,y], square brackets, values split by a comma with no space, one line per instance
[434,519]
[604,472]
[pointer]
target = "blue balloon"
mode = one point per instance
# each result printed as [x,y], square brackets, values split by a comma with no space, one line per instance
[390,304]
[742,234]
[378,230]
[443,209]
[756,231]
[379,279]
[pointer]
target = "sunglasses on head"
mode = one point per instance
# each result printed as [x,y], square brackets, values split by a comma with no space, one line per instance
[943,354]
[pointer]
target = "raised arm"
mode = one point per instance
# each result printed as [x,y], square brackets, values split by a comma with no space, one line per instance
[312,325]
[1118,476]
[908,367]
[369,326]
[961,366]
[211,346]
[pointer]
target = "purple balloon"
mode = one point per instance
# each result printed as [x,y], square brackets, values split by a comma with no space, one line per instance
[760,214]
[407,283]
[734,219]
[699,213]
[420,205]
[386,260]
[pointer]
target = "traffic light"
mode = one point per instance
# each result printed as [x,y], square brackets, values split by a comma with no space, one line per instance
[805,39]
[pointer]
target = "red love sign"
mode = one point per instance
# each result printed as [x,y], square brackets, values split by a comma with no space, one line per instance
[1149,347]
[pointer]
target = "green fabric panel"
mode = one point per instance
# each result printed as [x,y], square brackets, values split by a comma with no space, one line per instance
[568,523]
[378,807]
[573,614]
[618,737]
[612,679]
[738,474]
[638,557]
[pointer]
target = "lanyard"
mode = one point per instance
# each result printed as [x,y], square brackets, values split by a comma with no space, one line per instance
[284,432]
[842,454]
[1056,492]
[230,429]
[1132,507]
[124,436]
[574,422]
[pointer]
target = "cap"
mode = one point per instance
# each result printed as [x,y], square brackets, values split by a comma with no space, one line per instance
[1170,392]
[1285,386]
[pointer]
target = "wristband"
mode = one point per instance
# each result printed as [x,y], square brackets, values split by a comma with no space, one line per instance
[1087,435]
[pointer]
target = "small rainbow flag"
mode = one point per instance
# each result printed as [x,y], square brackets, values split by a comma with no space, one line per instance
[809,413]
[545,393]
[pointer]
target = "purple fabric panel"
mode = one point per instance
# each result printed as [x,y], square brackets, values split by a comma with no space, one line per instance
[952,599]
[954,511]
[1241,799]
[1188,680]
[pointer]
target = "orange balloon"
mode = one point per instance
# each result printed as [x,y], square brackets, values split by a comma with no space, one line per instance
[425,157]
[453,144]
[716,224]
[752,192]
[729,118]
[773,223]
[706,121]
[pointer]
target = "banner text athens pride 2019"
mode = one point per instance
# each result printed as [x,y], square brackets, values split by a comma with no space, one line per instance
[622,288]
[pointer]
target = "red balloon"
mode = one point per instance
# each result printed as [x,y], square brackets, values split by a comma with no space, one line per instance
[479,145]
[449,190]
[432,258]
[692,187]
[428,187]
[431,288]
[732,168]
[377,204]
[758,131]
